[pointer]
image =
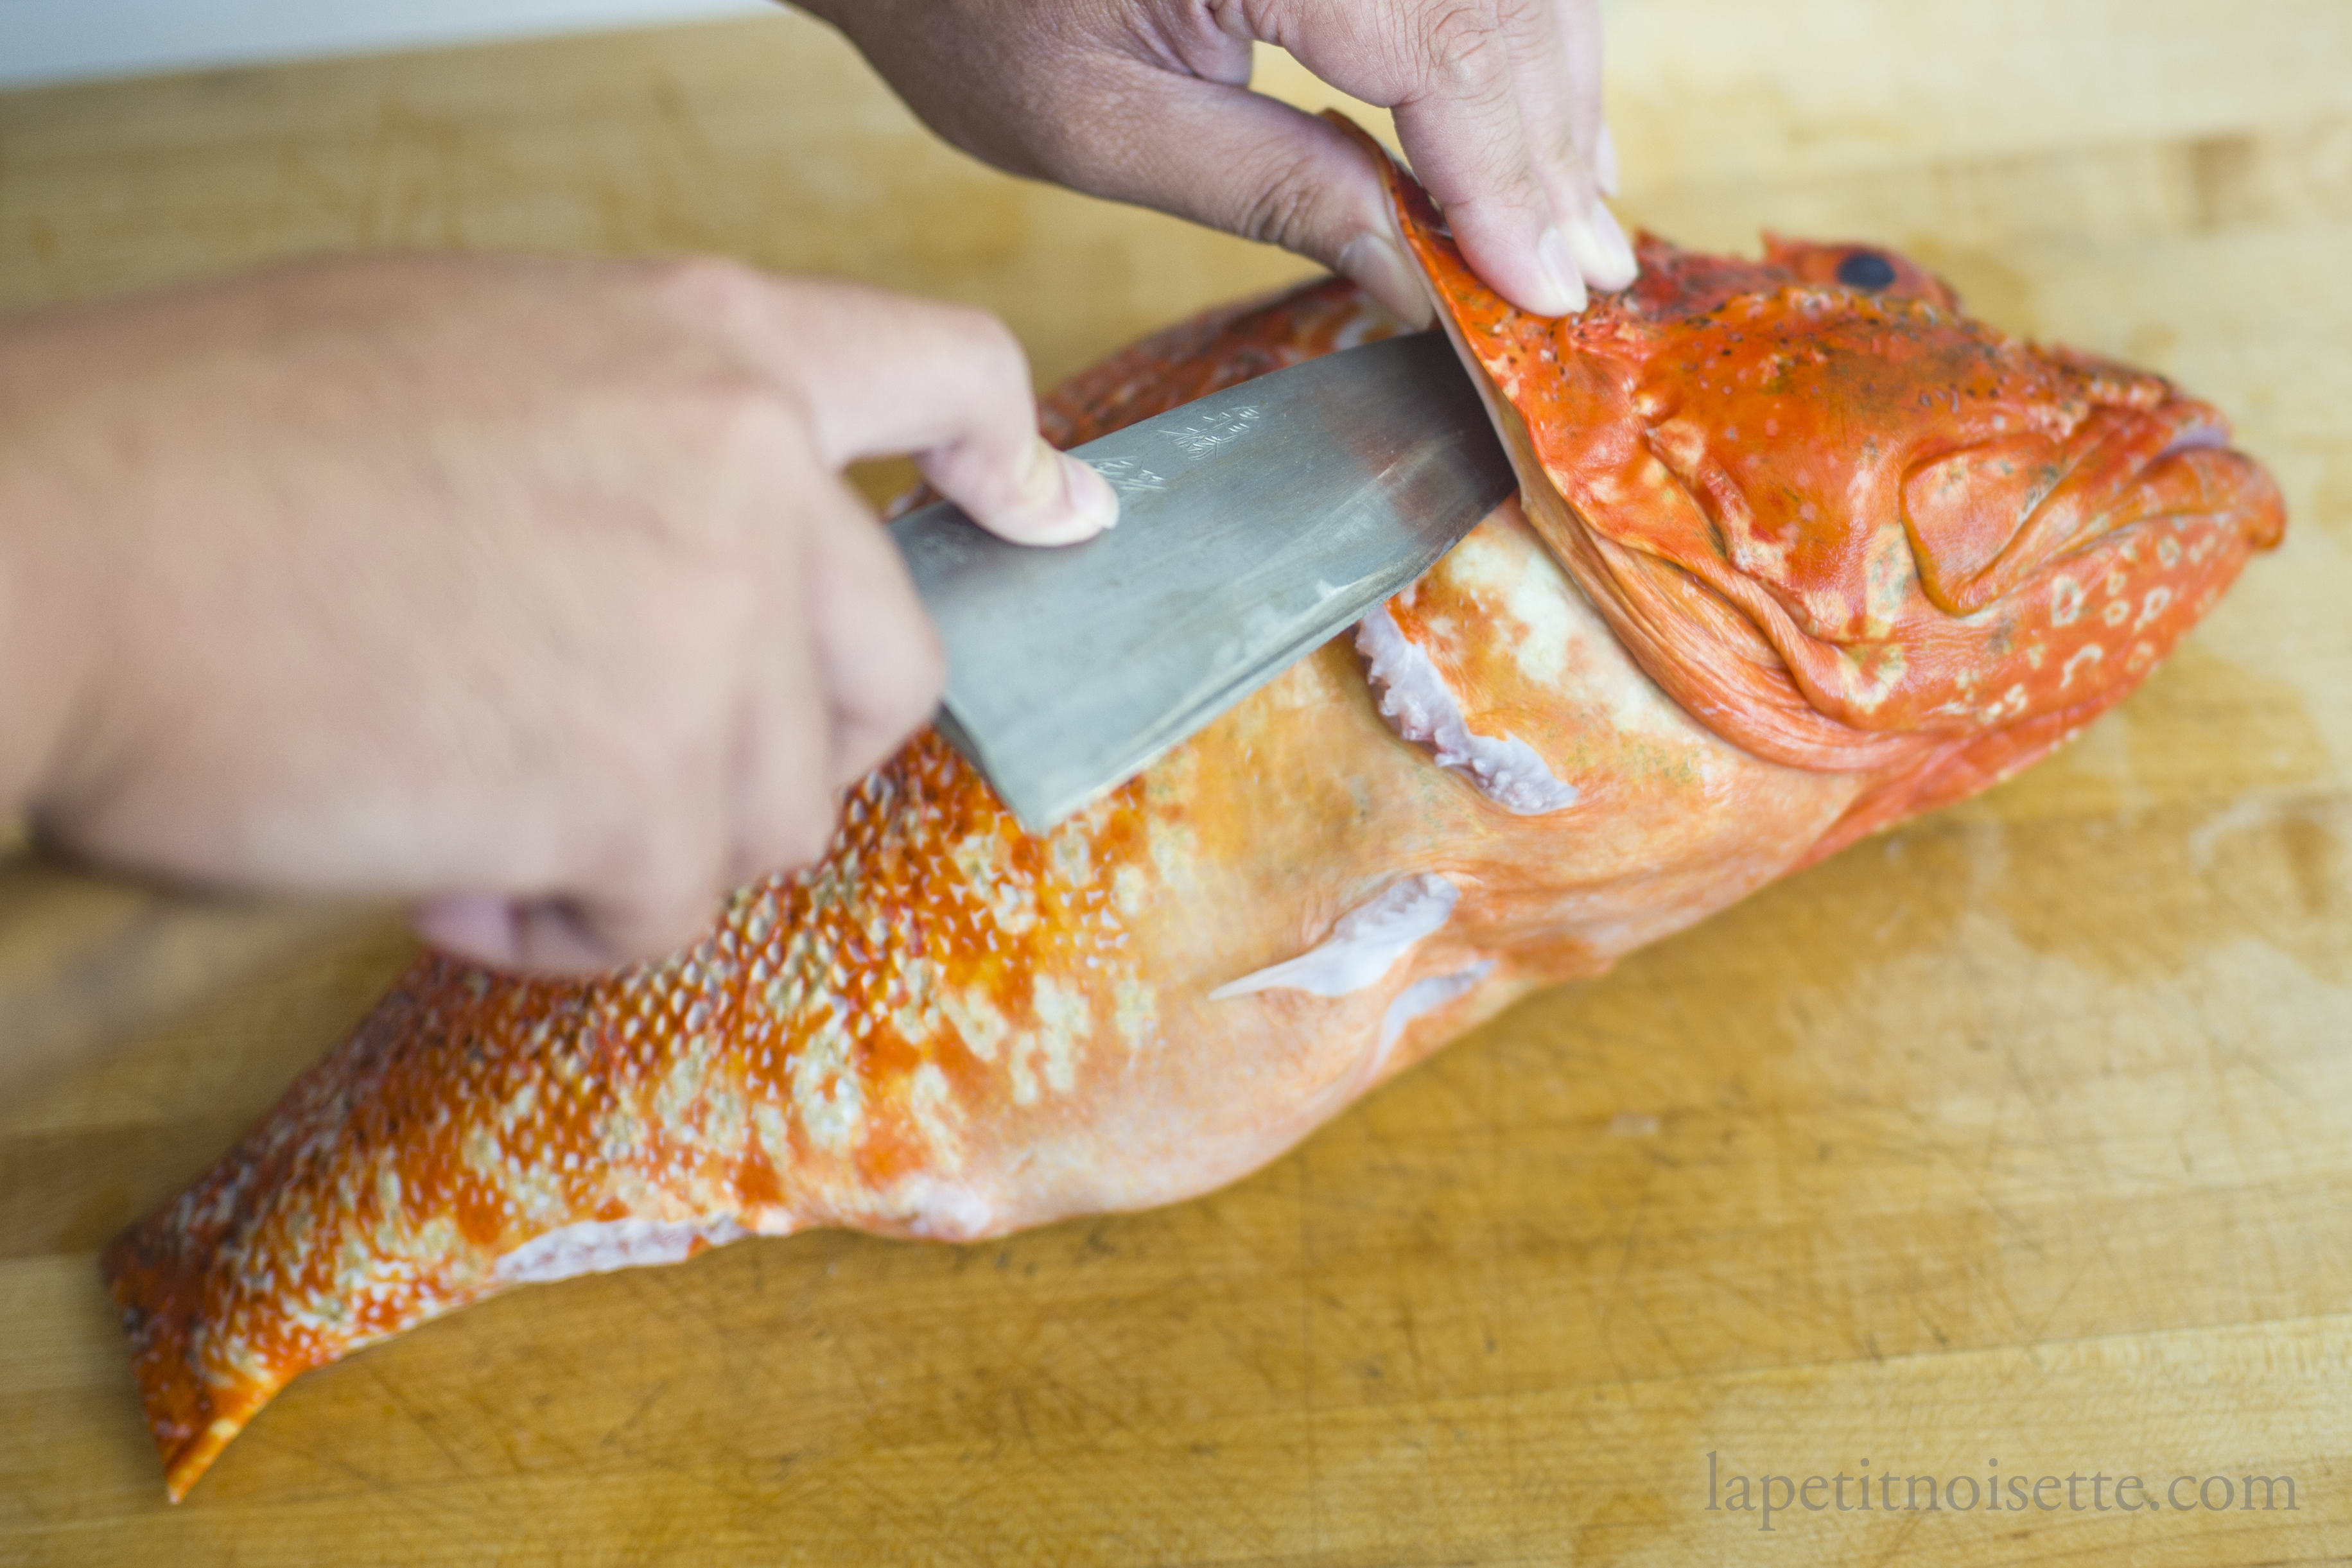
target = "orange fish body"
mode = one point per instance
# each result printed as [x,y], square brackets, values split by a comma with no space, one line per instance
[1798,558]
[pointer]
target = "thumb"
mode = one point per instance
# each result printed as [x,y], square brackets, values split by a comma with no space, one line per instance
[882,375]
[1223,155]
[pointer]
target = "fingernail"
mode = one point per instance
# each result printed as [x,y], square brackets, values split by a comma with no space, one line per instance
[1605,256]
[1604,162]
[1380,269]
[1092,500]
[1560,277]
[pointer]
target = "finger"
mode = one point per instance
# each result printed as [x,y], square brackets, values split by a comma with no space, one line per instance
[824,709]
[1222,155]
[783,809]
[876,658]
[1539,49]
[1490,102]
[1603,252]
[884,374]
[1229,158]
[1492,133]
[1577,24]
[1555,54]
[551,936]
[634,871]
[479,926]
[1456,75]
[1031,494]
[651,918]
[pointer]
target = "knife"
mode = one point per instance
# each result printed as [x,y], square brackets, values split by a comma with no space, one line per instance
[1255,524]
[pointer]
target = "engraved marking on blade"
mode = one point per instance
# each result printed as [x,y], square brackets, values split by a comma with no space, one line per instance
[1213,428]
[945,552]
[1126,475]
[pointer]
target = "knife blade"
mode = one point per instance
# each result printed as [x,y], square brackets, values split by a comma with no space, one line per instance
[1255,524]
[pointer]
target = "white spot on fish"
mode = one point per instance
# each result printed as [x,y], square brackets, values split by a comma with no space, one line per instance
[1888,573]
[977,1021]
[1128,891]
[1135,1012]
[1063,1021]
[2065,600]
[825,1089]
[931,1100]
[1073,856]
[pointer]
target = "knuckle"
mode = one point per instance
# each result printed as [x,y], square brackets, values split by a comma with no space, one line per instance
[710,286]
[1464,53]
[744,426]
[643,901]
[1286,206]
[982,342]
[754,419]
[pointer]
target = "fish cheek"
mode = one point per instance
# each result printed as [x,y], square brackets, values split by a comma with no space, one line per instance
[1962,510]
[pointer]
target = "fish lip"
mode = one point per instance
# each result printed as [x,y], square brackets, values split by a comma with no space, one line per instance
[2191,428]
[2176,427]
[2141,494]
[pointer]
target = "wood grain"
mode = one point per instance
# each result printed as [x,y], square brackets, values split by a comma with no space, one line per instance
[2017,1135]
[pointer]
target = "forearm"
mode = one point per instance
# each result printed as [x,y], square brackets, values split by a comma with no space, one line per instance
[47,621]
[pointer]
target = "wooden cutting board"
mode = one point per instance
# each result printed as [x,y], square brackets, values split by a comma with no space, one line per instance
[2014,1145]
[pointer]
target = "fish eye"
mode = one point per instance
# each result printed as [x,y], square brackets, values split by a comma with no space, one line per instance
[1866,269]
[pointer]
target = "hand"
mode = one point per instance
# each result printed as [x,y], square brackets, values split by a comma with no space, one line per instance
[528,589]
[1497,103]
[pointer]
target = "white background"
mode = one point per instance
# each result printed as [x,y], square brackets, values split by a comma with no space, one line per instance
[65,40]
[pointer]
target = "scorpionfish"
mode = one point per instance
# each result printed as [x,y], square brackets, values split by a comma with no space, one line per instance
[1800,550]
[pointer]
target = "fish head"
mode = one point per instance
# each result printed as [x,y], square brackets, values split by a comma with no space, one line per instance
[1840,519]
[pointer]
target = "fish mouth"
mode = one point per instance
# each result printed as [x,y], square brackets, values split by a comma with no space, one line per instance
[2198,435]
[2119,468]
[2191,474]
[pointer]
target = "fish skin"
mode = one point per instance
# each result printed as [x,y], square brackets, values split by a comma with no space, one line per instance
[950,1029]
